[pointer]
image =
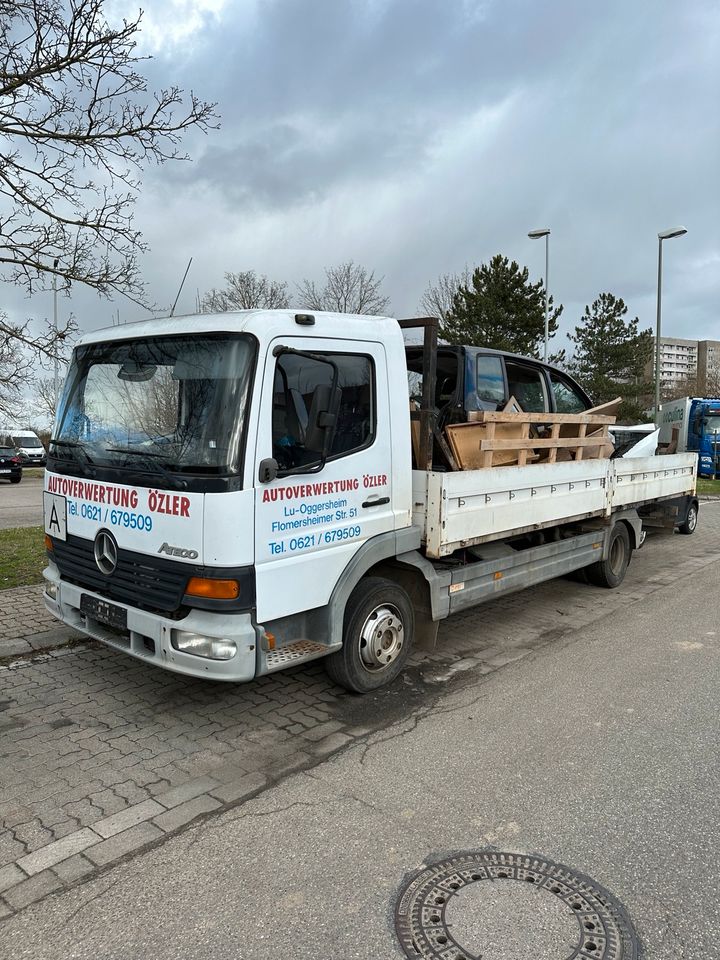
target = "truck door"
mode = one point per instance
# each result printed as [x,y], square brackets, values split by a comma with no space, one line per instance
[313,517]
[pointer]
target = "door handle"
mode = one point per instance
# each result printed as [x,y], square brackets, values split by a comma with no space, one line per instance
[376,503]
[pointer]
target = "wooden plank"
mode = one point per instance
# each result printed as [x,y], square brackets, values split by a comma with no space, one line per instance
[581,433]
[540,443]
[465,443]
[415,432]
[449,454]
[554,435]
[512,406]
[488,416]
[609,409]
[489,430]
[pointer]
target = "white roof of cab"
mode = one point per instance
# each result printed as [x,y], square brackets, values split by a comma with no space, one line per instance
[264,324]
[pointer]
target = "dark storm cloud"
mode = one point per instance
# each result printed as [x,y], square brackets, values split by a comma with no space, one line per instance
[420,135]
[325,92]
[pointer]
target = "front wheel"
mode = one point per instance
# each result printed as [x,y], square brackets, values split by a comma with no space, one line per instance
[689,524]
[611,571]
[16,479]
[377,636]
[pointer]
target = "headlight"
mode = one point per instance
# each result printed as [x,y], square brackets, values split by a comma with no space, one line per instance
[212,648]
[51,590]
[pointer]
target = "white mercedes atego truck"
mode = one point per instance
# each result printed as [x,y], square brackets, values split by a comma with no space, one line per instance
[229,495]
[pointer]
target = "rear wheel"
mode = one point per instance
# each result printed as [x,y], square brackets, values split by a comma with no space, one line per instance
[689,524]
[611,571]
[377,636]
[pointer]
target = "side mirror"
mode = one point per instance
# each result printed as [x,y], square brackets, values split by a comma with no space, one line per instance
[268,470]
[322,419]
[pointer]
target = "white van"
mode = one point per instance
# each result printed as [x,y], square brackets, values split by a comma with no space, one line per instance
[27,443]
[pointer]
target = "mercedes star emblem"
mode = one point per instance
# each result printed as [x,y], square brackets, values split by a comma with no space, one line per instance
[106,552]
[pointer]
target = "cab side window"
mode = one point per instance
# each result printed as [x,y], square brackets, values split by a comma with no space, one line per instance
[490,380]
[297,378]
[567,399]
[527,385]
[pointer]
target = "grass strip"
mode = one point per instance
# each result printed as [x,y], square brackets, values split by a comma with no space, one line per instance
[22,556]
[705,485]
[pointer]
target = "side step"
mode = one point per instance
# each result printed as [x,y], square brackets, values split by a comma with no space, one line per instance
[294,653]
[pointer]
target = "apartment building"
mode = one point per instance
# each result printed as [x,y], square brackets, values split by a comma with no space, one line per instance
[708,366]
[687,360]
[678,360]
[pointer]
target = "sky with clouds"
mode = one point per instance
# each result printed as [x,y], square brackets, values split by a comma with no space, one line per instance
[417,136]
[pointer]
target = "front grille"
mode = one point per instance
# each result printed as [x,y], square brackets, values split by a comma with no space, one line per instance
[142,581]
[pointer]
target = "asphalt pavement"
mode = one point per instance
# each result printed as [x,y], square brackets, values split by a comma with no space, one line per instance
[598,750]
[21,504]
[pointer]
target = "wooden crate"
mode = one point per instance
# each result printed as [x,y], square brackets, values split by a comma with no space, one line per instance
[499,438]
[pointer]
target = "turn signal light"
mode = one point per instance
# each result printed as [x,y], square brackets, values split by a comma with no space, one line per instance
[213,589]
[48,543]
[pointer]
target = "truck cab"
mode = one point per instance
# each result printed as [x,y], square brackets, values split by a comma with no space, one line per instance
[216,485]
[704,436]
[692,424]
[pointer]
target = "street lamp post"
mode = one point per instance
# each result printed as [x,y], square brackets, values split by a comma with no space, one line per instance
[55,324]
[535,235]
[664,235]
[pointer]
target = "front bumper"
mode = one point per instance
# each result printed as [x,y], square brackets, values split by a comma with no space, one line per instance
[148,635]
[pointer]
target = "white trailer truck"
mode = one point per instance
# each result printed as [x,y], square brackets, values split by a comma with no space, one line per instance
[230,495]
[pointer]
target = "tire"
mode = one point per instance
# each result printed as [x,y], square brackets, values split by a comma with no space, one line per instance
[16,479]
[689,524]
[610,572]
[361,666]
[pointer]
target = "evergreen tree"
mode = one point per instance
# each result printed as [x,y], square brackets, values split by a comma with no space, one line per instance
[612,355]
[502,309]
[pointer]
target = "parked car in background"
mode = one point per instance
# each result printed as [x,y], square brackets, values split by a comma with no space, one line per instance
[10,465]
[26,443]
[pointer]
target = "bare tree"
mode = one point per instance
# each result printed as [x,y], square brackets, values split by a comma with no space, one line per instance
[439,297]
[44,397]
[349,288]
[21,350]
[77,125]
[246,291]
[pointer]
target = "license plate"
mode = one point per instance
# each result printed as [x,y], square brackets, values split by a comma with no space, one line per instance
[103,611]
[3,470]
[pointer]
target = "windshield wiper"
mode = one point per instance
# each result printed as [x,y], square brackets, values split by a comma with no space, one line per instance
[154,459]
[74,445]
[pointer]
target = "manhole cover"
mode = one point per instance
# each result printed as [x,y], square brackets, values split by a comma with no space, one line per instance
[505,906]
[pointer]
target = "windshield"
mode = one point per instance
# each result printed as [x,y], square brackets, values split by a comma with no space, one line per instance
[712,425]
[174,403]
[28,442]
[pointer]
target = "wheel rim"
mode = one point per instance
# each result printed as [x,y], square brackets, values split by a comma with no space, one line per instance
[691,518]
[381,638]
[617,555]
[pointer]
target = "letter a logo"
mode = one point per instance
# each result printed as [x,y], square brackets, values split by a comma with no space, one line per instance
[55,511]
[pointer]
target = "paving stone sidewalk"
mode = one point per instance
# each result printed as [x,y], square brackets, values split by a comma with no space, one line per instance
[101,755]
[25,624]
